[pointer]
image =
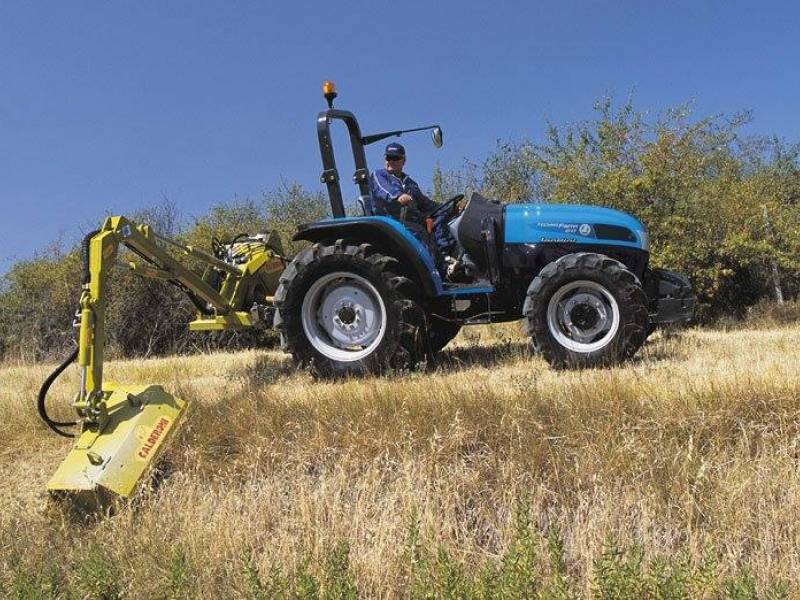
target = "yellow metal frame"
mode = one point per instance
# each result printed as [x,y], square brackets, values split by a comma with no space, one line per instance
[124,428]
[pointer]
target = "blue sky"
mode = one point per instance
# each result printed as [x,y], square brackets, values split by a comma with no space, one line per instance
[109,106]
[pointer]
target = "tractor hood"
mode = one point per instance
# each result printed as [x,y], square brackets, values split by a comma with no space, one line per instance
[541,223]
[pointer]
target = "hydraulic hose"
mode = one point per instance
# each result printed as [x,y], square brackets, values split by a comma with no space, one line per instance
[40,402]
[41,399]
[86,276]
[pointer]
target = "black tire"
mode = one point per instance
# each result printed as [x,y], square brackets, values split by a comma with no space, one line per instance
[611,287]
[440,333]
[401,346]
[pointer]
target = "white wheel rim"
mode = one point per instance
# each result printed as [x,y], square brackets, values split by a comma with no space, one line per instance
[583,316]
[343,316]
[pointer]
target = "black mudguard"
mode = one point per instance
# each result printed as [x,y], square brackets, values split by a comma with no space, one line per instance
[381,235]
[670,294]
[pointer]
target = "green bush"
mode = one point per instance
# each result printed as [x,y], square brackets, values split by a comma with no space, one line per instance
[39,297]
[38,302]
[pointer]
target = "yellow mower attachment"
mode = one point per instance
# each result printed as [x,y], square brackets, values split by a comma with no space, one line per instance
[111,461]
[124,428]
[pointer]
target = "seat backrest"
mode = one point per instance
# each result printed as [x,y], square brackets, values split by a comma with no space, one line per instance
[365,202]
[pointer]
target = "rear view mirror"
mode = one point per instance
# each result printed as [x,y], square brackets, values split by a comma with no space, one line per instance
[437,137]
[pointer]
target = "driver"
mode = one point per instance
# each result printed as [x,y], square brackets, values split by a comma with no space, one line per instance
[392,190]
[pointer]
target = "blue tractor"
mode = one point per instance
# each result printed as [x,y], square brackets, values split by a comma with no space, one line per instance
[366,296]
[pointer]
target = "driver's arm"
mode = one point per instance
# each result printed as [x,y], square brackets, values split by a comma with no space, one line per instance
[423,203]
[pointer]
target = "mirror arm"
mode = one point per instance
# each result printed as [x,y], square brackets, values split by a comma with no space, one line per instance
[376,137]
[369,139]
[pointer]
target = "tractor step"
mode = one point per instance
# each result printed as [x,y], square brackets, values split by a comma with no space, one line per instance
[111,462]
[481,286]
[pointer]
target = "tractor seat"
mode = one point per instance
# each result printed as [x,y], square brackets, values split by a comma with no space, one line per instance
[365,204]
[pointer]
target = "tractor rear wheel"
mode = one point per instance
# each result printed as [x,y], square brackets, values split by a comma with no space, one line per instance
[342,309]
[586,310]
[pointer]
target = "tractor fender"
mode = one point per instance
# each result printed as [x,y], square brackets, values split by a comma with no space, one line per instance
[386,233]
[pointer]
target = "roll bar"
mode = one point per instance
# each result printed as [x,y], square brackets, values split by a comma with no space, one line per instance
[330,175]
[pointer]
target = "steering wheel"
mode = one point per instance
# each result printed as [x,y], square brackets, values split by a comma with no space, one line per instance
[447,204]
[444,205]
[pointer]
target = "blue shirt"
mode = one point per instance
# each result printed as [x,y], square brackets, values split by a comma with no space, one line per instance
[385,188]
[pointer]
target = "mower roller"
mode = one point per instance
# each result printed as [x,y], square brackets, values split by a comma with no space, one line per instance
[124,428]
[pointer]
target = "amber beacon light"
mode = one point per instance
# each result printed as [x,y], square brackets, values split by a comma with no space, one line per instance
[329,91]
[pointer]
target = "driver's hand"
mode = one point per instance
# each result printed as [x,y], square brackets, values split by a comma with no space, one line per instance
[405,199]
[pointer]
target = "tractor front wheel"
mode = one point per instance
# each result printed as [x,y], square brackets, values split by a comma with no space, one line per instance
[586,310]
[342,309]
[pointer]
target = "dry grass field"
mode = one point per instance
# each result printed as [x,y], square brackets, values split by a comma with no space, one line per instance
[493,476]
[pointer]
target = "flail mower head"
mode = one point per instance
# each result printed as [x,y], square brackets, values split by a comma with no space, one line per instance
[110,462]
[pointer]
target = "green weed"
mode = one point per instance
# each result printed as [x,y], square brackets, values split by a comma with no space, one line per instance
[96,576]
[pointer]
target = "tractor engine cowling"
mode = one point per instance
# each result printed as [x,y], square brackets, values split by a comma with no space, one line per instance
[580,224]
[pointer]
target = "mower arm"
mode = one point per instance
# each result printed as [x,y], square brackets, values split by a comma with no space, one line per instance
[122,428]
[143,241]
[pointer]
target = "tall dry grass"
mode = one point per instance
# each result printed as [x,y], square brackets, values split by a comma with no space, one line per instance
[689,454]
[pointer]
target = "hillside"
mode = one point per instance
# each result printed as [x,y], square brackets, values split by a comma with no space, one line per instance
[493,475]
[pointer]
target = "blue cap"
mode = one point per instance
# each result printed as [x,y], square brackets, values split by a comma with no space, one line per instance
[395,150]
